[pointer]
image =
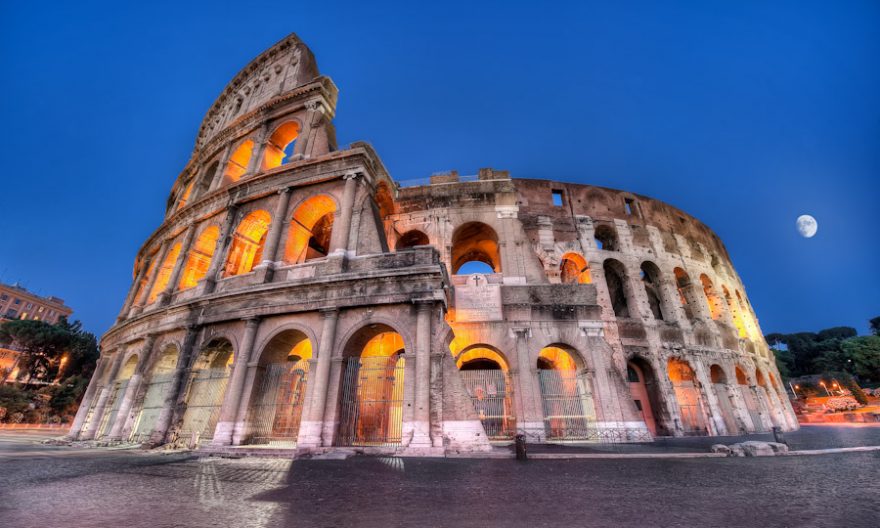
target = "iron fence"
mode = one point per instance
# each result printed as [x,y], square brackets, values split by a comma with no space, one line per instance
[203,403]
[154,401]
[489,391]
[569,413]
[371,407]
[276,413]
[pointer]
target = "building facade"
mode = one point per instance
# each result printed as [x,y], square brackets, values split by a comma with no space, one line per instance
[297,296]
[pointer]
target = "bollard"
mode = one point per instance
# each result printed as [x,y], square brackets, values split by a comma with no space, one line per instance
[779,436]
[520,442]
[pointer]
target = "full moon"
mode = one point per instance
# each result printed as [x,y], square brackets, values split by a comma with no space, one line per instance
[807,226]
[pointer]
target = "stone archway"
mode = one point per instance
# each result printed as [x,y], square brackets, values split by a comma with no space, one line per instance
[486,376]
[566,395]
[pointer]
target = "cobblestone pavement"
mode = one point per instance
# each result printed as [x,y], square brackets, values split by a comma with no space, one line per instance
[124,488]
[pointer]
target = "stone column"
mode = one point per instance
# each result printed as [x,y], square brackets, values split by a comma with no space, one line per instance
[100,406]
[422,418]
[273,237]
[145,294]
[229,419]
[88,398]
[219,257]
[182,257]
[313,413]
[342,230]
[255,164]
[131,391]
[126,307]
[217,180]
[169,406]
[531,420]
[303,140]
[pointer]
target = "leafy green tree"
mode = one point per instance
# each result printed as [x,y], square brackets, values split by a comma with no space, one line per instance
[864,352]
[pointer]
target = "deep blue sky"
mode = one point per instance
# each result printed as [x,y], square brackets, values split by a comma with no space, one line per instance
[746,116]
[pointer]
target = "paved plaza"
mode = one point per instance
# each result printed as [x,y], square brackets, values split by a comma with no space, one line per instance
[46,486]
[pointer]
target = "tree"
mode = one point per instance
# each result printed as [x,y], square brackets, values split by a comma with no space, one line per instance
[865,355]
[875,325]
[41,345]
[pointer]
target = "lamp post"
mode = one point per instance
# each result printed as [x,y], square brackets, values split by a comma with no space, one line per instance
[822,383]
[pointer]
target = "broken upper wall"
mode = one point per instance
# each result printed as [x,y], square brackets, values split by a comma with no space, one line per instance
[604,205]
[287,65]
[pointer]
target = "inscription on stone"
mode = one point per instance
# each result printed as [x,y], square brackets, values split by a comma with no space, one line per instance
[478,299]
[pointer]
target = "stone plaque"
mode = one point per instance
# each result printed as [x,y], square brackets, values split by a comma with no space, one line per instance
[477,299]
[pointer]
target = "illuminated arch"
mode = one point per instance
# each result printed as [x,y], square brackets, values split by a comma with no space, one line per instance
[711,297]
[475,355]
[199,258]
[645,391]
[574,268]
[683,285]
[279,148]
[559,357]
[734,312]
[741,378]
[372,391]
[687,395]
[184,198]
[164,273]
[128,368]
[475,241]
[246,250]
[238,162]
[310,230]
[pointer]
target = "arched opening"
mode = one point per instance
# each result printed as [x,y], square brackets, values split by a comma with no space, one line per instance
[566,395]
[155,394]
[683,284]
[606,237]
[574,269]
[650,275]
[164,273]
[745,315]
[749,398]
[279,148]
[615,278]
[711,297]
[484,371]
[114,400]
[184,198]
[371,406]
[199,258]
[310,230]
[412,238]
[644,389]
[279,390]
[764,393]
[206,390]
[687,394]
[206,179]
[734,313]
[475,242]
[246,250]
[238,162]
[722,391]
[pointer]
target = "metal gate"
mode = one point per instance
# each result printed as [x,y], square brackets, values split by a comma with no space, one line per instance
[277,410]
[203,403]
[569,413]
[371,408]
[115,400]
[726,408]
[154,401]
[752,406]
[690,407]
[490,393]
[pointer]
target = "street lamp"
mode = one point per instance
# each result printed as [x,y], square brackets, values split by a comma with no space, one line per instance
[822,383]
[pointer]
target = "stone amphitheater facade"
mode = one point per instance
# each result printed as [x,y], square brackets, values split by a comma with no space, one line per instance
[296,296]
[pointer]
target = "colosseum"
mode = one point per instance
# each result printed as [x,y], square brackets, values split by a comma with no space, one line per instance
[298,298]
